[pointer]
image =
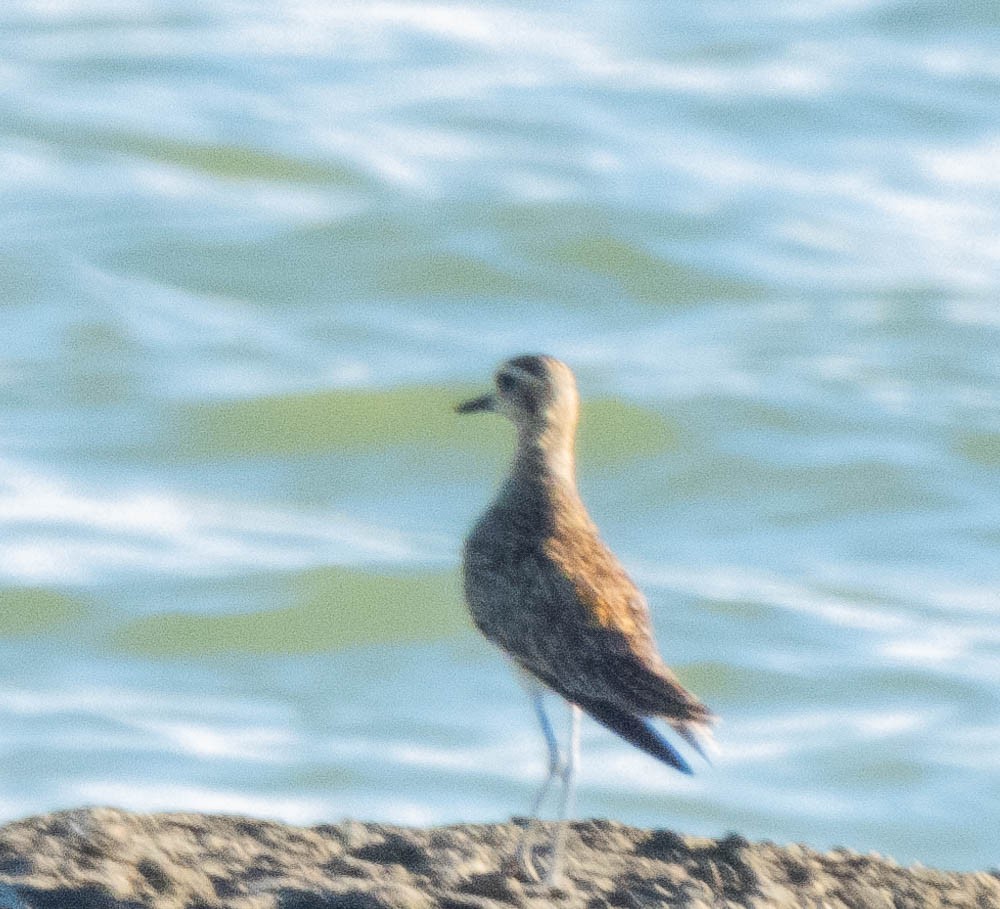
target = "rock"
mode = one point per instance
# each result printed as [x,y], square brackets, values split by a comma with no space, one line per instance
[102,858]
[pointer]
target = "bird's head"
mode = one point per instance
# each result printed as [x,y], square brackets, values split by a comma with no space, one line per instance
[535,392]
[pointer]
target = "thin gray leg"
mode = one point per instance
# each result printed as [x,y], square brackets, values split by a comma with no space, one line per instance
[552,743]
[567,799]
[555,768]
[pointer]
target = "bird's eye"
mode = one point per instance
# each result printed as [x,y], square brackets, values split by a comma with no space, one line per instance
[506,383]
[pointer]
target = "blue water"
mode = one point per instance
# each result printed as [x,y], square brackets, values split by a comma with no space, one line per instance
[252,252]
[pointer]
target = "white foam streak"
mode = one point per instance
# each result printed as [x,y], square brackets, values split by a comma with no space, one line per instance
[734,583]
[975,167]
[54,532]
[939,648]
[786,78]
[175,323]
[919,586]
[808,731]
[972,312]
[56,11]
[956,639]
[122,703]
[256,744]
[164,796]
[427,757]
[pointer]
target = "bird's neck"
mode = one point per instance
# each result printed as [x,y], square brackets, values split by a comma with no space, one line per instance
[545,457]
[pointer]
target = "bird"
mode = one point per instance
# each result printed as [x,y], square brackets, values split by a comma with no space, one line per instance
[541,584]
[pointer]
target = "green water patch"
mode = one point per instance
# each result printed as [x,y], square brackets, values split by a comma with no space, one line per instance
[874,770]
[869,486]
[225,160]
[980,448]
[339,420]
[612,431]
[28,611]
[645,277]
[803,495]
[323,778]
[367,255]
[712,679]
[923,688]
[331,608]
[551,224]
[232,162]
[446,274]
[356,420]
[740,610]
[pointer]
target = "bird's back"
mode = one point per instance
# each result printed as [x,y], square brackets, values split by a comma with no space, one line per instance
[543,586]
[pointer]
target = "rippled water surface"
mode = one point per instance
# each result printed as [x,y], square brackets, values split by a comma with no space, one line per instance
[251,253]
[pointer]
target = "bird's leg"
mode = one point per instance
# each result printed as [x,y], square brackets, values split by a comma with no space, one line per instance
[566,801]
[555,758]
[556,768]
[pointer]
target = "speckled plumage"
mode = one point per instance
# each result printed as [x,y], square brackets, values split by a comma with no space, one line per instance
[543,587]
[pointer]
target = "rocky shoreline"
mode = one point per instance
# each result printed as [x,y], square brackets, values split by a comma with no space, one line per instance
[103,858]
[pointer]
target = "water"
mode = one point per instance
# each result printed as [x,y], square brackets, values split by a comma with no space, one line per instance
[253,252]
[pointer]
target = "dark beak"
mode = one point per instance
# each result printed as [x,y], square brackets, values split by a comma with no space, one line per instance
[477,405]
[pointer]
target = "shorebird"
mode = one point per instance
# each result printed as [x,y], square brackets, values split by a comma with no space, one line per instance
[542,585]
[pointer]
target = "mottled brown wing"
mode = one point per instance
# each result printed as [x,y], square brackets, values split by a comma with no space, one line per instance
[585,633]
[617,625]
[618,662]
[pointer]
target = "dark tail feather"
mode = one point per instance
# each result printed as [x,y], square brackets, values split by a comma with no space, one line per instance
[701,740]
[636,731]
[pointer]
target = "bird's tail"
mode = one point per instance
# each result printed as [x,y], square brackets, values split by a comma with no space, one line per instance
[638,731]
[698,735]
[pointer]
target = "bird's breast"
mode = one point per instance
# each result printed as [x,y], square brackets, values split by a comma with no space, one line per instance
[507,577]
